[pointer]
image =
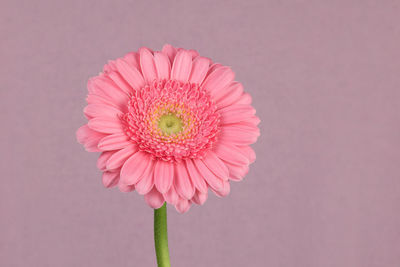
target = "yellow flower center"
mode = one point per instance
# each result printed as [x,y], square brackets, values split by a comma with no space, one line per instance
[170,124]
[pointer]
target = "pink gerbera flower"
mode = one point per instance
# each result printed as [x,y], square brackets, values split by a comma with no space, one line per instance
[171,125]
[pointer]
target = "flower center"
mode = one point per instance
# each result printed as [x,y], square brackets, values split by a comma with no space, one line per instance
[172,120]
[170,124]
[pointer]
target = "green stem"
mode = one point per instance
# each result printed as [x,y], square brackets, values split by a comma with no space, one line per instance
[161,236]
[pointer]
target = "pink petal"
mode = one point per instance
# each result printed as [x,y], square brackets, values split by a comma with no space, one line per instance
[84,133]
[249,152]
[170,51]
[146,182]
[154,199]
[243,126]
[224,191]
[182,66]
[130,74]
[229,95]
[193,53]
[120,82]
[237,136]
[110,66]
[91,145]
[171,196]
[208,175]
[236,172]
[132,59]
[196,177]
[230,153]
[163,65]
[250,122]
[104,86]
[110,178]
[218,79]
[96,99]
[102,160]
[97,110]
[182,206]
[216,165]
[245,99]
[236,113]
[163,175]
[147,64]
[118,158]
[254,120]
[200,198]
[134,167]
[199,69]
[213,68]
[183,184]
[114,142]
[126,188]
[89,138]
[105,125]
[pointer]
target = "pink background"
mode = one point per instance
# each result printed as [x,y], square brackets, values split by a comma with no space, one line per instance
[324,191]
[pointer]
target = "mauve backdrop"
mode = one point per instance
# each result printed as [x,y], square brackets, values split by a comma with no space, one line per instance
[325,80]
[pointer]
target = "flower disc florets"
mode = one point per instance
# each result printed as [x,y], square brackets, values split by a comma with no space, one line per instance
[172,120]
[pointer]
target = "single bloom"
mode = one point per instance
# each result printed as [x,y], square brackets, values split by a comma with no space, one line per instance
[169,124]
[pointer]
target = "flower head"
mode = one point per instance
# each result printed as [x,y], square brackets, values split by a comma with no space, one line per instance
[171,125]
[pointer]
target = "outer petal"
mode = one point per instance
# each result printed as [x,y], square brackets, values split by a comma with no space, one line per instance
[237,136]
[250,122]
[170,51]
[216,165]
[105,125]
[215,182]
[245,99]
[163,65]
[213,68]
[114,142]
[120,82]
[89,138]
[118,158]
[183,184]
[154,198]
[236,172]
[236,113]
[193,53]
[229,95]
[224,191]
[148,65]
[104,86]
[100,100]
[96,110]
[182,66]
[244,127]
[163,175]
[146,183]
[249,152]
[130,74]
[110,178]
[183,205]
[231,153]
[218,79]
[84,133]
[196,177]
[199,71]
[199,198]
[126,188]
[171,196]
[110,66]
[134,167]
[132,59]
[102,160]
